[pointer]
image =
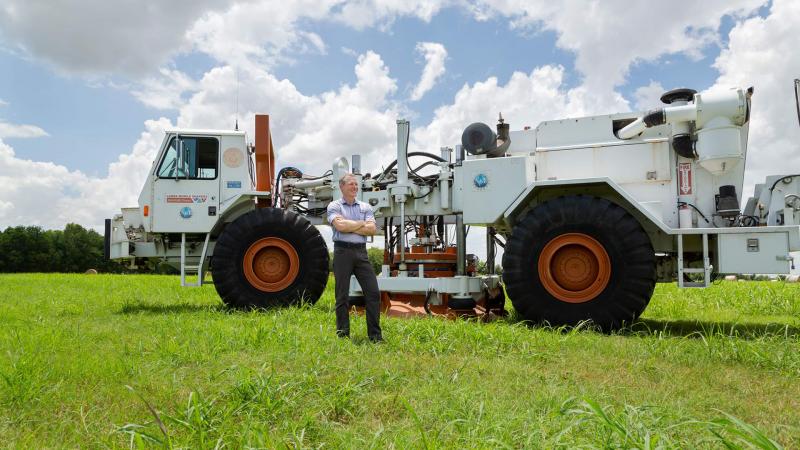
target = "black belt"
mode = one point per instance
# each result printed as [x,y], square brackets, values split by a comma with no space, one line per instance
[349,244]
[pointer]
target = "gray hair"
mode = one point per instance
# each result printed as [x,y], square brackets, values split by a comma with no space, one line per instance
[344,178]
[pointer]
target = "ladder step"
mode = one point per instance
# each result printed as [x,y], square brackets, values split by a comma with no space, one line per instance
[694,285]
[687,270]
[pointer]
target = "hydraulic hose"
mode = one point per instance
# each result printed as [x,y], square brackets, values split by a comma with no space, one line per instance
[394,163]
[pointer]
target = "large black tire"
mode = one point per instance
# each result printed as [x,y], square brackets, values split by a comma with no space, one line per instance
[270,257]
[556,271]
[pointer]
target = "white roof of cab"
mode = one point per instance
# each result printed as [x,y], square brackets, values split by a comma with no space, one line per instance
[204,132]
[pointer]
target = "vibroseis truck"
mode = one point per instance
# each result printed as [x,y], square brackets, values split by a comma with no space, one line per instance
[591,212]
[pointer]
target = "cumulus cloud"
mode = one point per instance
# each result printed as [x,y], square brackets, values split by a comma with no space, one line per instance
[308,131]
[100,37]
[10,130]
[239,36]
[609,37]
[435,55]
[165,91]
[355,119]
[96,37]
[648,97]
[484,100]
[361,14]
[56,195]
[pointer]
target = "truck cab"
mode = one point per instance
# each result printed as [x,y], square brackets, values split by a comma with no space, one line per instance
[194,177]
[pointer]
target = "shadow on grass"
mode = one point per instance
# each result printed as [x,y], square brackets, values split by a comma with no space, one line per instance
[700,328]
[178,308]
[140,307]
[674,328]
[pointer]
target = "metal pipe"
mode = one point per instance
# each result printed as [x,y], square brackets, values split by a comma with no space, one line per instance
[444,188]
[402,151]
[461,246]
[307,184]
[402,266]
[490,255]
[731,106]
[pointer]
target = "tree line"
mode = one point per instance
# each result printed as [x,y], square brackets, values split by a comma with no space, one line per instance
[73,249]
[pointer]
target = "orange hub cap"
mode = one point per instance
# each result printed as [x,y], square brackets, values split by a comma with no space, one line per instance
[574,268]
[271,264]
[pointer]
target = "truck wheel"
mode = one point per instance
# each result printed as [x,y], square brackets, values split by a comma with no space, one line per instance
[270,257]
[577,258]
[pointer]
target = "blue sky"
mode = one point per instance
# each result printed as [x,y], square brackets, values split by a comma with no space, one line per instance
[87,109]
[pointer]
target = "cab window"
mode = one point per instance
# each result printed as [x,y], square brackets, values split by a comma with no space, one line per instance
[201,156]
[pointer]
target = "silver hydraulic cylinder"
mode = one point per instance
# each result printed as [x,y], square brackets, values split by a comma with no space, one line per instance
[403,129]
[461,246]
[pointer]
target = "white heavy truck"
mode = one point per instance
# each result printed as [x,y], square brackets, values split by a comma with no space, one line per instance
[591,212]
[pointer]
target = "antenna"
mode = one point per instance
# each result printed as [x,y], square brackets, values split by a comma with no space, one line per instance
[236,126]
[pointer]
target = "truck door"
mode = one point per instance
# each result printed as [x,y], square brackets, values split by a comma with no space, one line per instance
[186,185]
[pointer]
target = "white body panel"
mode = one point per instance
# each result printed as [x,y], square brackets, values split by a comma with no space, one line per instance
[234,177]
[505,178]
[183,205]
[758,252]
[646,167]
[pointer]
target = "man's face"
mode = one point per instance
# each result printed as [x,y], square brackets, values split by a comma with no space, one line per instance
[350,188]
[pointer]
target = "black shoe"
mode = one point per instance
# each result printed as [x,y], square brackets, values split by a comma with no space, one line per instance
[343,335]
[376,339]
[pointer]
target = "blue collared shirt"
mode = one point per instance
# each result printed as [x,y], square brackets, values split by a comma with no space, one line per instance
[351,211]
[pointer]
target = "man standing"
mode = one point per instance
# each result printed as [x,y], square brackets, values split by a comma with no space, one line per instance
[352,222]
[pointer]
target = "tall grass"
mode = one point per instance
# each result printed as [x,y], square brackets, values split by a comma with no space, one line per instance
[138,362]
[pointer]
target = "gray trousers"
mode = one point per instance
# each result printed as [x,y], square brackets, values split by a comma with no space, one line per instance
[353,261]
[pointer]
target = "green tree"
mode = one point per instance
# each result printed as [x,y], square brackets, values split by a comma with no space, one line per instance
[75,249]
[82,249]
[375,256]
[25,249]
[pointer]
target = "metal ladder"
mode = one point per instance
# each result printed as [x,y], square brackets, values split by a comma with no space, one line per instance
[706,270]
[200,269]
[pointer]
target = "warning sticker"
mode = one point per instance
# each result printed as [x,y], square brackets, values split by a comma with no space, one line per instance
[183,198]
[685,178]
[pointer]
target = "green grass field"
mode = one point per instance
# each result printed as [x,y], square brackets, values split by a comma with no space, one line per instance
[136,361]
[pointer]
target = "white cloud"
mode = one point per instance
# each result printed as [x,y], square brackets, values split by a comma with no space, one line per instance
[349,52]
[240,37]
[361,14]
[435,55]
[165,91]
[308,131]
[483,101]
[10,130]
[50,195]
[94,37]
[97,37]
[648,97]
[608,37]
[759,55]
[3,102]
[355,119]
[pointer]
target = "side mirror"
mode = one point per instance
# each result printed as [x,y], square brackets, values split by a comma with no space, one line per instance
[182,157]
